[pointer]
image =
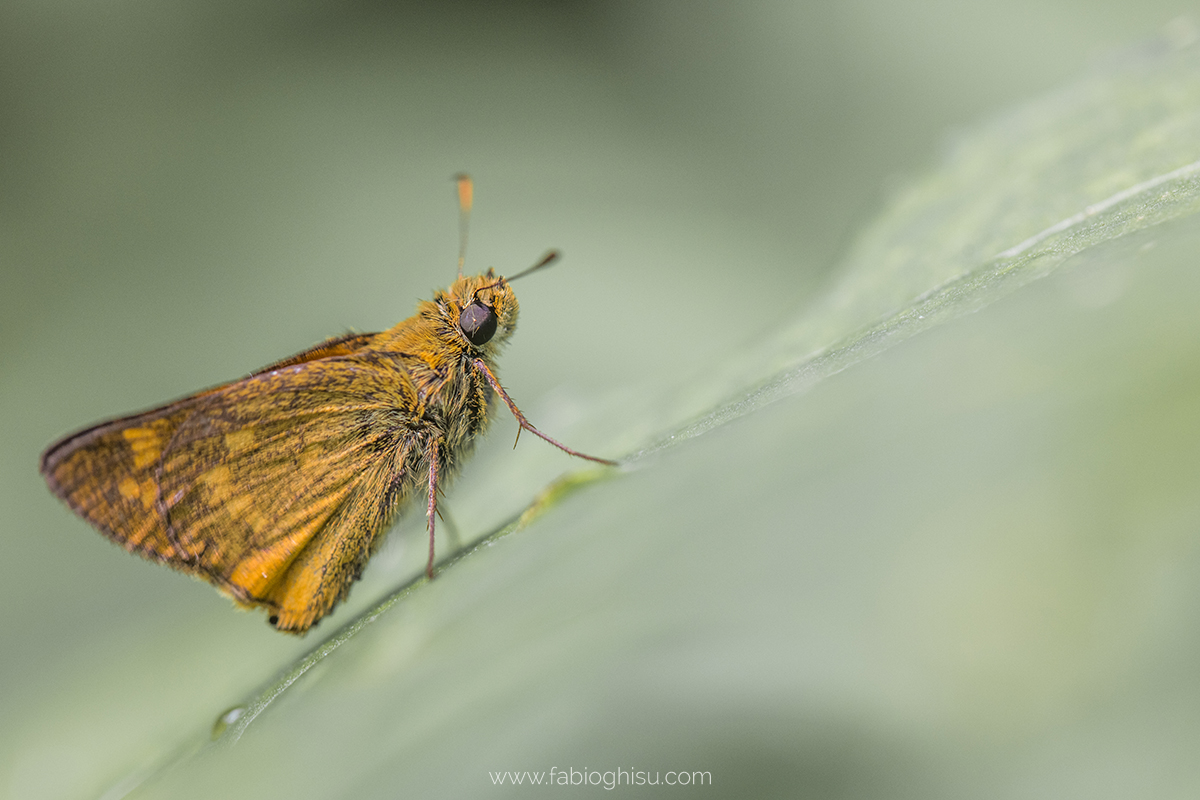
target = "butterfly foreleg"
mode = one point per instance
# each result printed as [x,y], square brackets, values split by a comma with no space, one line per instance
[524,423]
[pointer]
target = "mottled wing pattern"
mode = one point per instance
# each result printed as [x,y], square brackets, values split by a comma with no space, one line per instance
[274,487]
[278,487]
[108,475]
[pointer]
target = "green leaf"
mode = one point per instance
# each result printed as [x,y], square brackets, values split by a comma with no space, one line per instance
[965,567]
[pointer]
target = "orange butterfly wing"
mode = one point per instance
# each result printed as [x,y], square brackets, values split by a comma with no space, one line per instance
[274,488]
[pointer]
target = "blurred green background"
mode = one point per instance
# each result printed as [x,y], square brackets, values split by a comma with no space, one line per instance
[967,567]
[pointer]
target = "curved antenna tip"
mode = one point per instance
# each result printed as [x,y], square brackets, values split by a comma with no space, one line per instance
[466,191]
[548,259]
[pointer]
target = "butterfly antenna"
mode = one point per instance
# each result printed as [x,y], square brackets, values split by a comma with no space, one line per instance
[546,261]
[466,191]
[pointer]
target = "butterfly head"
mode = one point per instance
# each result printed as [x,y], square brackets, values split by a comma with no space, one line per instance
[483,308]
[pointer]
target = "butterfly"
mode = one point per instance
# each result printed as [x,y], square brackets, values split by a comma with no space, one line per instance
[277,488]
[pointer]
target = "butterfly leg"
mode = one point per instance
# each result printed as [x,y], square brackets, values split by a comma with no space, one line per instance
[431,512]
[526,424]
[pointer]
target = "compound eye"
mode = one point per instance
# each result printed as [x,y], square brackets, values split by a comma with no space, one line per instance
[478,323]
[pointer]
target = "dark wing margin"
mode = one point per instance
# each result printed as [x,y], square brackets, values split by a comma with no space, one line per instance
[334,346]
